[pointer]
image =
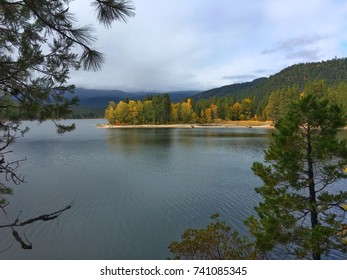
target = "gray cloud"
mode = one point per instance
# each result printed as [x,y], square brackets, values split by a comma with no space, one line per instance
[261,71]
[195,44]
[298,47]
[304,54]
[294,43]
[240,78]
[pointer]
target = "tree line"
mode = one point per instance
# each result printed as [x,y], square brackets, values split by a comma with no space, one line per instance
[160,110]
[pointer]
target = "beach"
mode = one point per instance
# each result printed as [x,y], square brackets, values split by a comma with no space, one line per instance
[191,126]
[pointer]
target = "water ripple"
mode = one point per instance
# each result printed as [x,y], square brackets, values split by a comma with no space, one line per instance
[133,191]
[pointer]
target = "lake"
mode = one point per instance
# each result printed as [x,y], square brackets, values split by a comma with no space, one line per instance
[133,190]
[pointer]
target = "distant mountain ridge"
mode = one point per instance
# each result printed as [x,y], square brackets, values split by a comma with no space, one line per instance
[92,93]
[117,95]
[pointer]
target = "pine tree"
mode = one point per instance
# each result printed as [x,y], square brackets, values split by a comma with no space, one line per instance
[165,108]
[302,208]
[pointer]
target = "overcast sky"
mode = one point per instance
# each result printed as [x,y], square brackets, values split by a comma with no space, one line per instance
[201,44]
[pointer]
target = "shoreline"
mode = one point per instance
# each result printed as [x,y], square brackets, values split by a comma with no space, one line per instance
[187,126]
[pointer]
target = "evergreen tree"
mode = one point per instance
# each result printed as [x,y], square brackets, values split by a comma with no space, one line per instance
[279,102]
[272,109]
[148,111]
[156,101]
[165,108]
[338,94]
[303,204]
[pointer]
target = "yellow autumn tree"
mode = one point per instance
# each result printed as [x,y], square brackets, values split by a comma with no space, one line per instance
[202,118]
[110,112]
[186,111]
[214,111]
[208,115]
[174,113]
[122,113]
[236,110]
[135,112]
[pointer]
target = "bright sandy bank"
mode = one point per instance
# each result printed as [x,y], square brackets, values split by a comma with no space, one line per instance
[236,124]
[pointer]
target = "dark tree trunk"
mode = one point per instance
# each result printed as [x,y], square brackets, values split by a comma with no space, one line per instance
[312,198]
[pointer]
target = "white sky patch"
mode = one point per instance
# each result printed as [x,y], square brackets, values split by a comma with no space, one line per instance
[186,45]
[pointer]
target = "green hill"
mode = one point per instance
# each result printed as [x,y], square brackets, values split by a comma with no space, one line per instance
[332,71]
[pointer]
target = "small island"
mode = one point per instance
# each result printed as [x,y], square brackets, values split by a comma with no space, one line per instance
[159,112]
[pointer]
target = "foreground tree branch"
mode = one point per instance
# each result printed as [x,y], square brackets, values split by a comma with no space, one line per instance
[43,218]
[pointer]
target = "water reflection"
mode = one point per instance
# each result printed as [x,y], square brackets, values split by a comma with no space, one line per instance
[186,136]
[136,138]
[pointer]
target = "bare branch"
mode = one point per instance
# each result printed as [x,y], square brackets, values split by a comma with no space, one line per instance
[27,245]
[46,217]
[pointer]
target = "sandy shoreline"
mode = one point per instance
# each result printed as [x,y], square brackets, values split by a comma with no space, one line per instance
[188,126]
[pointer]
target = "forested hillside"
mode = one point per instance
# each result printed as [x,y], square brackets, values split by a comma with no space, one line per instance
[217,109]
[332,72]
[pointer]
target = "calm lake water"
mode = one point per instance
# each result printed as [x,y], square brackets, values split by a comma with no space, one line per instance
[133,190]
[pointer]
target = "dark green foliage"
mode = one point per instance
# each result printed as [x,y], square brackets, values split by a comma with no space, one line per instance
[302,210]
[223,103]
[338,94]
[164,109]
[215,242]
[161,108]
[279,102]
